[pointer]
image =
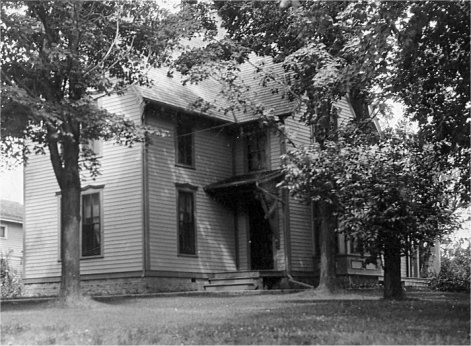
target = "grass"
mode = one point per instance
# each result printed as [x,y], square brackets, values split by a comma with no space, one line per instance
[299,318]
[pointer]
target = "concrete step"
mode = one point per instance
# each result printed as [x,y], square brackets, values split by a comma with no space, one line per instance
[232,281]
[242,286]
[237,275]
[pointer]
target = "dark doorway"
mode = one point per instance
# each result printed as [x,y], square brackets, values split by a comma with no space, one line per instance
[261,240]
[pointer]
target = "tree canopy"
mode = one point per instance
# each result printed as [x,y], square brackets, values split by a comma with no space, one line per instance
[414,52]
[57,57]
[390,195]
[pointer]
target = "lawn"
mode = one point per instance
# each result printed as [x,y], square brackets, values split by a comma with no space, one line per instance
[296,318]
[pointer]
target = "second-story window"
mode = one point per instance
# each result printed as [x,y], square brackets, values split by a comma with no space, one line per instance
[184,143]
[256,151]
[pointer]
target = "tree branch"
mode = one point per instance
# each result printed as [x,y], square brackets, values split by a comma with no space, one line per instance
[109,49]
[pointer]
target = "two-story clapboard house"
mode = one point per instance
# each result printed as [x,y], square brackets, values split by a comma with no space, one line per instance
[195,209]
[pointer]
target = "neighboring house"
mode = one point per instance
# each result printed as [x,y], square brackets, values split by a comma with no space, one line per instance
[196,209]
[11,233]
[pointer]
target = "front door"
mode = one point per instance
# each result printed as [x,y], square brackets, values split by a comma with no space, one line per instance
[261,239]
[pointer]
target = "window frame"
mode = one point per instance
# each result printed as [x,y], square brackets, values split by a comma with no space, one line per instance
[190,190]
[5,234]
[257,134]
[185,124]
[87,190]
[95,145]
[355,246]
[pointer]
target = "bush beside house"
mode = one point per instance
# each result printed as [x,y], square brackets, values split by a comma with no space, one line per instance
[455,270]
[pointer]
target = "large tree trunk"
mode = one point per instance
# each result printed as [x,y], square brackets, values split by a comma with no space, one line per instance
[327,277]
[392,270]
[67,171]
[70,243]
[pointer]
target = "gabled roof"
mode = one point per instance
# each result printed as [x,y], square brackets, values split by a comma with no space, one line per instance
[170,91]
[11,211]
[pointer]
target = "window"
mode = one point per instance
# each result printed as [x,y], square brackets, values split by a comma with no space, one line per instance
[356,246]
[3,232]
[95,145]
[186,222]
[91,225]
[184,143]
[256,151]
[91,235]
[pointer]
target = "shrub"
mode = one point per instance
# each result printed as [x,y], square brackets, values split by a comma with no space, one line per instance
[455,270]
[12,285]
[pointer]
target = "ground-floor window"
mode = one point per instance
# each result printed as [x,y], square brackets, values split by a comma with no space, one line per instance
[186,222]
[91,225]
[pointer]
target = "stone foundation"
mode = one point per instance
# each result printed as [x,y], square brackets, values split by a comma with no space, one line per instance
[122,286]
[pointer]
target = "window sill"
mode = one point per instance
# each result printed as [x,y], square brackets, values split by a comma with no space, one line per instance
[181,165]
[187,255]
[91,257]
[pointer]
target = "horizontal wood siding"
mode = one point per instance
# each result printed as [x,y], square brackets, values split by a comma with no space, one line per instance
[121,175]
[242,222]
[239,155]
[215,223]
[301,238]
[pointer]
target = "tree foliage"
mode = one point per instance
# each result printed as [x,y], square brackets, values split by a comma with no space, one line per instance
[389,194]
[57,58]
[369,51]
[455,272]
[432,79]
[416,52]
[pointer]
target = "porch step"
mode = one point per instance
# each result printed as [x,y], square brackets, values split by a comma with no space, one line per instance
[234,281]
[236,275]
[241,286]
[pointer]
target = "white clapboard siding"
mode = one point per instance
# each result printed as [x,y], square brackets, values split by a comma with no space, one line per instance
[121,176]
[215,237]
[240,165]
[243,231]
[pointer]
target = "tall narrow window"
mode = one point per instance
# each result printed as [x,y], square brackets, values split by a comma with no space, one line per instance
[256,151]
[3,232]
[91,225]
[184,143]
[186,223]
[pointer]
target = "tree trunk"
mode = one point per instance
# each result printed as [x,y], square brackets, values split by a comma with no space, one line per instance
[327,277]
[392,270]
[70,243]
[67,171]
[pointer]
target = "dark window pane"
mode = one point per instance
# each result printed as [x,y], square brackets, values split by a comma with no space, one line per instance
[256,153]
[91,225]
[186,225]
[184,144]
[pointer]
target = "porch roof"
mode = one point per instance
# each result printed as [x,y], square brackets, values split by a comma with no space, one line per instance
[241,184]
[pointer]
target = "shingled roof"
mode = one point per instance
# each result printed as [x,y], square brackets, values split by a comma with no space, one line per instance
[11,211]
[170,91]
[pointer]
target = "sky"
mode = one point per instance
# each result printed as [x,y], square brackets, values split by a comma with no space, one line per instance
[11,184]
